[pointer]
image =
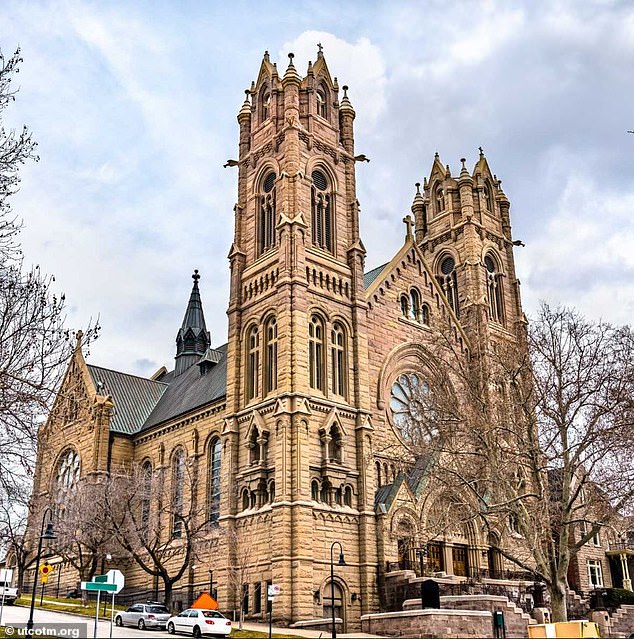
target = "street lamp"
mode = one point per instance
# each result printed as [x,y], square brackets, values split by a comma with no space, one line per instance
[48,535]
[341,562]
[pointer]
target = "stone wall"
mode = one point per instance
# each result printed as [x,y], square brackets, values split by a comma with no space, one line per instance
[430,624]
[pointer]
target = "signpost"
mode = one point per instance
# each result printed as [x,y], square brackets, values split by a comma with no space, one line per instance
[113,581]
[272,591]
[45,571]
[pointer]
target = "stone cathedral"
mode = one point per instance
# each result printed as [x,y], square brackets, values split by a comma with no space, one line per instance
[298,427]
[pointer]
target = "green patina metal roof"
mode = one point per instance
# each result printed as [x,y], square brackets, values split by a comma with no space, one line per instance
[134,397]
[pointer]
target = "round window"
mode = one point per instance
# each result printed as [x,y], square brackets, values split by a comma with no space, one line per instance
[412,409]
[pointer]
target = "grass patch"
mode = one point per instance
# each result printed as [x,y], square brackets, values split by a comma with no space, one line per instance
[255,634]
[73,606]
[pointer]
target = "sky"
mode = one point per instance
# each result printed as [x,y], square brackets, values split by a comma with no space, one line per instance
[134,107]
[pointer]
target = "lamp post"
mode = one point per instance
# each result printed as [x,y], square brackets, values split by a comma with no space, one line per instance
[48,535]
[341,562]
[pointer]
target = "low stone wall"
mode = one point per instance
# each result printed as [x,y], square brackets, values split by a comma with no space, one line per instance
[515,620]
[323,624]
[427,624]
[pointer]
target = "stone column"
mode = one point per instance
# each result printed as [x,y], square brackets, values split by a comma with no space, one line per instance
[627,582]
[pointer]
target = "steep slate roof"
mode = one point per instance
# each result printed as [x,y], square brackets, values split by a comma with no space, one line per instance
[142,403]
[190,390]
[370,276]
[134,397]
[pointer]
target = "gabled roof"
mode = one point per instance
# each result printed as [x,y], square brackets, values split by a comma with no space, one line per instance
[134,397]
[190,390]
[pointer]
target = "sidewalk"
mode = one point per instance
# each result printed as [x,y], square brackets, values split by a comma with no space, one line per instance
[298,632]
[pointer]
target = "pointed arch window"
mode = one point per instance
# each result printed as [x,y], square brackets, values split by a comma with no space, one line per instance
[146,478]
[270,353]
[321,212]
[449,282]
[214,479]
[316,363]
[253,362]
[404,305]
[267,215]
[67,478]
[335,444]
[321,103]
[424,314]
[338,356]
[439,199]
[414,305]
[266,105]
[178,492]
[488,197]
[494,290]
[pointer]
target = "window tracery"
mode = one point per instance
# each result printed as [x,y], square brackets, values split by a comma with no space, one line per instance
[215,458]
[178,492]
[338,356]
[321,212]
[448,280]
[494,290]
[253,362]
[267,215]
[270,364]
[316,353]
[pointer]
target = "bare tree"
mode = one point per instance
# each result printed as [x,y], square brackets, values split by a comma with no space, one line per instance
[83,528]
[543,442]
[33,341]
[156,522]
[239,553]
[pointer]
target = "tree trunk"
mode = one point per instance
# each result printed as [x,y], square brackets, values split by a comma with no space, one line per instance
[558,601]
[168,592]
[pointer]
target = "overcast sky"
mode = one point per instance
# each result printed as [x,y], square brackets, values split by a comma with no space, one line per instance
[134,107]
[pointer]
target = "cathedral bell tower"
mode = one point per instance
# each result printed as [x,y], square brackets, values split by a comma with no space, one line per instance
[297,389]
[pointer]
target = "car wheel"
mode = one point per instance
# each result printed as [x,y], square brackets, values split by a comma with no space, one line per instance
[141,624]
[118,621]
[170,628]
[196,631]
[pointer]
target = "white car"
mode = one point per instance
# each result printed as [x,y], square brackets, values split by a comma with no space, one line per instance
[199,622]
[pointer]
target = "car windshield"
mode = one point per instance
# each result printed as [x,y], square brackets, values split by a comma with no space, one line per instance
[158,609]
[212,614]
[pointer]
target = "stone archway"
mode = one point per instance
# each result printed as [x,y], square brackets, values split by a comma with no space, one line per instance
[335,589]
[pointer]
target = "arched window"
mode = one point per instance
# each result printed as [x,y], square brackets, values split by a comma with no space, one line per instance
[424,314]
[439,199]
[178,492]
[321,103]
[146,478]
[254,447]
[488,197]
[253,362]
[270,353]
[449,282]
[245,499]
[215,450]
[404,305]
[266,105]
[338,356]
[314,490]
[321,212]
[67,478]
[271,491]
[494,289]
[347,496]
[378,474]
[316,354]
[414,306]
[324,495]
[267,216]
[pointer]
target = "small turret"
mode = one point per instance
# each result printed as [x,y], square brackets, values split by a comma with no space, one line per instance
[193,338]
[420,215]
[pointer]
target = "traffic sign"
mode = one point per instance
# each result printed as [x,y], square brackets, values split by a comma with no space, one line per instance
[46,569]
[97,586]
[274,590]
[116,577]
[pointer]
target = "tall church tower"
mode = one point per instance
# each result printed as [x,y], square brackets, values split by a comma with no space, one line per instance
[298,426]
[463,228]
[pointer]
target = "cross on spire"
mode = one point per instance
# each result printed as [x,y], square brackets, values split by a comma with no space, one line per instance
[409,223]
[195,276]
[320,48]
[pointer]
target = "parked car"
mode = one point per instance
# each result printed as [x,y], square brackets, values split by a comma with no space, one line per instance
[144,615]
[199,622]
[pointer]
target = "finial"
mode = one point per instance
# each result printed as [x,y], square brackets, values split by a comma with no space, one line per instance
[481,151]
[290,58]
[78,337]
[464,163]
[266,56]
[436,156]
[252,89]
[417,185]
[345,90]
[320,49]
[195,276]
[310,67]
[424,182]
[409,223]
[448,171]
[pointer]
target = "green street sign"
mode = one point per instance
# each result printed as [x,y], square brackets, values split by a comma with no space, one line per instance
[101,579]
[95,586]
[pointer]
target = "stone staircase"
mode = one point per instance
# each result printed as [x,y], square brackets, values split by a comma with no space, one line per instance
[622,621]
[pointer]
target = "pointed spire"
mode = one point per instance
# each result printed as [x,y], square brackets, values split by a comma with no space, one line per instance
[291,74]
[310,68]
[193,338]
[345,105]
[418,198]
[246,106]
